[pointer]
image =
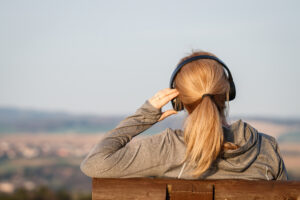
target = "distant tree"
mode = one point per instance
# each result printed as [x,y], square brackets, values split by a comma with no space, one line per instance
[21,194]
[43,193]
[84,197]
[63,195]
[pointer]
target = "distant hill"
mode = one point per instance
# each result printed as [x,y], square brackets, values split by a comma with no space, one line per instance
[15,120]
[274,120]
[292,137]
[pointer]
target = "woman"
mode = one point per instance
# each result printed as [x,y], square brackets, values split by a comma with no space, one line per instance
[207,148]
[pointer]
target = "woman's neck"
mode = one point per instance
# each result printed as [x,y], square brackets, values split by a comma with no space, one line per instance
[224,122]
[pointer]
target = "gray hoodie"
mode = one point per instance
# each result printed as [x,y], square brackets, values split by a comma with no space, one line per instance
[161,155]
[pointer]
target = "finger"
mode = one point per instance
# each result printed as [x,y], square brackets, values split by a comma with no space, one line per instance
[168,98]
[159,99]
[169,91]
[167,114]
[161,92]
[169,95]
[165,92]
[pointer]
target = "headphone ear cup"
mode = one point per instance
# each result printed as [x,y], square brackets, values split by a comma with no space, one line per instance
[232,91]
[177,104]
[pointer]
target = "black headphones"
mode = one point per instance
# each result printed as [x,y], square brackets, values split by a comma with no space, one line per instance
[176,103]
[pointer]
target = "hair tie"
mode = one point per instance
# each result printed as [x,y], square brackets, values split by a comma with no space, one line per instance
[207,95]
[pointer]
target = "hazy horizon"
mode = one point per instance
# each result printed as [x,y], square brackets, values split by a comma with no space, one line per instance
[118,115]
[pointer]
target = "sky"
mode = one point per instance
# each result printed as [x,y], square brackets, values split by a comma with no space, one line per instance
[109,57]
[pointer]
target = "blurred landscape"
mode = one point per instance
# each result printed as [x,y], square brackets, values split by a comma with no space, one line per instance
[42,151]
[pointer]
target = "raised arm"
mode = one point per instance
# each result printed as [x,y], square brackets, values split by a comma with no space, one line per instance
[116,156]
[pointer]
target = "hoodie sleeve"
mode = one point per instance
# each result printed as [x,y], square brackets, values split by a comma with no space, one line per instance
[116,156]
[282,173]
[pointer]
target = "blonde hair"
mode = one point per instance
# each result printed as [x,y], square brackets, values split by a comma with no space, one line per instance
[203,133]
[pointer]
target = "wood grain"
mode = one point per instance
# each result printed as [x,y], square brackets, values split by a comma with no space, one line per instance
[175,189]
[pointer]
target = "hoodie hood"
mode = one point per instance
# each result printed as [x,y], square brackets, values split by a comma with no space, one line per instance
[247,138]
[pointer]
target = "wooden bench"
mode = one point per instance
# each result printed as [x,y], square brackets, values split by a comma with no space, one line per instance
[150,188]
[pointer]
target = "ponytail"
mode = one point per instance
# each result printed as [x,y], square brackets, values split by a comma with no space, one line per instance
[203,135]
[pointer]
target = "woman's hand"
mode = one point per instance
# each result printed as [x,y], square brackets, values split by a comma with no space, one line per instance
[161,98]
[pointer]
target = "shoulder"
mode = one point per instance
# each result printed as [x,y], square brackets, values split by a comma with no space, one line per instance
[242,126]
[168,141]
[167,145]
[168,135]
[269,147]
[268,139]
[176,136]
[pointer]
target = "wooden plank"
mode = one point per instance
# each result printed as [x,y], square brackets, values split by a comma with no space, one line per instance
[203,190]
[123,189]
[241,189]
[191,195]
[190,191]
[178,191]
[149,188]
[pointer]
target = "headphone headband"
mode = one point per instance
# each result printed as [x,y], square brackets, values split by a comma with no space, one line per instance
[232,91]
